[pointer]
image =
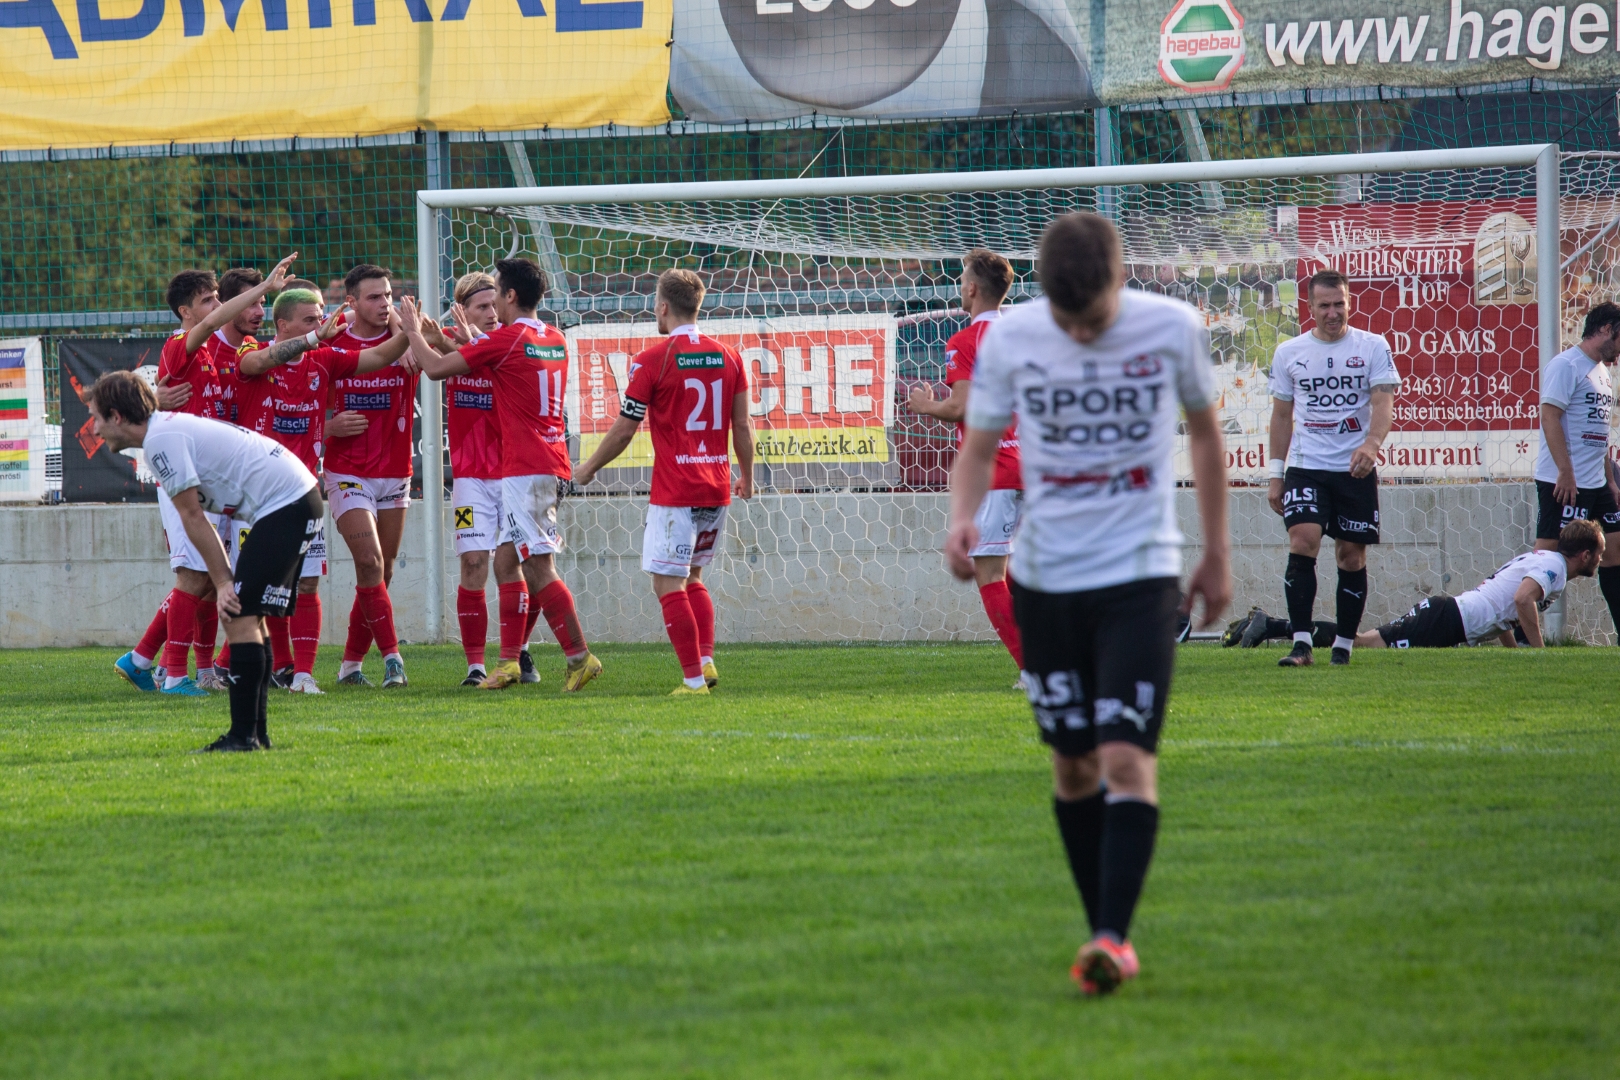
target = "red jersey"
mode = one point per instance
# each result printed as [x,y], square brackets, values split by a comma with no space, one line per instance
[387,398]
[527,364]
[288,403]
[226,359]
[961,351]
[475,430]
[196,369]
[685,386]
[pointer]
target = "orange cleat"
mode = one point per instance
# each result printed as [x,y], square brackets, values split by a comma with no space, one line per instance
[1102,965]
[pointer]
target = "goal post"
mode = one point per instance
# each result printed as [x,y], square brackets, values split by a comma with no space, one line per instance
[840,292]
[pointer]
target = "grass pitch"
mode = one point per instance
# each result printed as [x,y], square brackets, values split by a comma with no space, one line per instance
[843,865]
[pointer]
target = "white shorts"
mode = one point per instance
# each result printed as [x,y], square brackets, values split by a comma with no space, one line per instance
[314,558]
[530,506]
[681,537]
[477,514]
[997,520]
[366,493]
[183,554]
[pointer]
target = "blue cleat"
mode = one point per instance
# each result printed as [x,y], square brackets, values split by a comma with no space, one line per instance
[186,688]
[141,680]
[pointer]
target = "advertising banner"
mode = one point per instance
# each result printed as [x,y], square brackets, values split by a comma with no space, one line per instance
[151,72]
[821,387]
[90,471]
[22,420]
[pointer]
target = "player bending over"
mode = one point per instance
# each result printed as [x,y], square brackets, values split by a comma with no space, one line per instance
[1575,477]
[207,466]
[1515,595]
[193,295]
[1333,399]
[1093,373]
[986,277]
[528,362]
[694,391]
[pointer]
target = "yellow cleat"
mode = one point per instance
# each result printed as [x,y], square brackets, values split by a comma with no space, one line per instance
[682,690]
[506,673]
[581,672]
[711,675]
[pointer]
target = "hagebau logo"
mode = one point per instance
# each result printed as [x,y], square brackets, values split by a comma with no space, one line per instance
[1201,45]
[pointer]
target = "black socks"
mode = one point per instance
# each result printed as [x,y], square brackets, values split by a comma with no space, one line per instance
[1080,823]
[1609,582]
[261,730]
[1352,601]
[250,677]
[1299,587]
[1129,829]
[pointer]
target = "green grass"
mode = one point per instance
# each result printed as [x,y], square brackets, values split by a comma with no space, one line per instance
[844,865]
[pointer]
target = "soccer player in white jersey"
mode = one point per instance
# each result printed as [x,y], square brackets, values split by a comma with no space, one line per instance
[1094,374]
[1575,477]
[1514,596]
[1332,402]
[208,466]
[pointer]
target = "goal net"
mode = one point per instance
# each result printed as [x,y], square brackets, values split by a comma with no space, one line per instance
[840,296]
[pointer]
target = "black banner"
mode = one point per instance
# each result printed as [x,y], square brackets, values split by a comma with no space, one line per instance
[90,471]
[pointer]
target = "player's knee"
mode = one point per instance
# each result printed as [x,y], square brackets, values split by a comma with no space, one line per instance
[194,582]
[1350,556]
[1129,770]
[309,586]
[1076,777]
[474,570]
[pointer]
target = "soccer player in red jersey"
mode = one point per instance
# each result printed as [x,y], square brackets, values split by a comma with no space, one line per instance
[368,475]
[193,295]
[285,389]
[986,277]
[694,391]
[528,362]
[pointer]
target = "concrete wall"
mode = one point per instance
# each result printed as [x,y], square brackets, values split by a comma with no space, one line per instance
[796,567]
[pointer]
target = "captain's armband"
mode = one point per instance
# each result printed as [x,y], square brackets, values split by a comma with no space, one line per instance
[633,410]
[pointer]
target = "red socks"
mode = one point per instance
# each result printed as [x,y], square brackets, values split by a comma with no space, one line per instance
[157,632]
[379,614]
[473,614]
[207,631]
[514,617]
[359,640]
[530,619]
[557,604]
[182,629]
[281,653]
[683,632]
[703,611]
[306,632]
[999,606]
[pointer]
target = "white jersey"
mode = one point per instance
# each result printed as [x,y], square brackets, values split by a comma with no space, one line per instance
[237,473]
[1580,386]
[1097,431]
[1330,384]
[1489,609]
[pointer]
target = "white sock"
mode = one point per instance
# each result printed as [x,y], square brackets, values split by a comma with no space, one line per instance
[695,683]
[173,681]
[1344,643]
[1302,635]
[706,659]
[393,656]
[204,671]
[347,668]
[476,669]
[574,658]
[142,663]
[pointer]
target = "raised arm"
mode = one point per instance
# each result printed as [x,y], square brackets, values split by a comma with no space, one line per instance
[1526,599]
[742,442]
[380,356]
[227,312]
[277,353]
[434,364]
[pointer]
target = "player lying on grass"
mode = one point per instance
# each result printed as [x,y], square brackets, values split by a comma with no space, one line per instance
[1513,597]
[208,466]
[1095,375]
[694,392]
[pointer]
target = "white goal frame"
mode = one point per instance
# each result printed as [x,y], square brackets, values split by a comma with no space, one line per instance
[431,233]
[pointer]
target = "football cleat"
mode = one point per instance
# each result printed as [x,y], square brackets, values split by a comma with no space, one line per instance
[304,683]
[139,679]
[209,679]
[185,688]
[355,678]
[683,690]
[261,735]
[1300,656]
[506,673]
[526,666]
[1183,628]
[711,675]
[1234,629]
[229,743]
[394,673]
[159,673]
[282,678]
[1254,632]
[1340,658]
[475,677]
[583,670]
[1102,965]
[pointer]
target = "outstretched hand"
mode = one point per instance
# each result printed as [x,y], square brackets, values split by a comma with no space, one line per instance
[170,398]
[333,323]
[278,276]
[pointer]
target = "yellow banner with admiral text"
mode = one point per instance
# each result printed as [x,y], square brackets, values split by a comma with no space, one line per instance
[99,72]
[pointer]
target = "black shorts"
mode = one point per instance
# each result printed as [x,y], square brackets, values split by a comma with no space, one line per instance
[1097,664]
[1591,504]
[1346,508]
[1436,623]
[273,556]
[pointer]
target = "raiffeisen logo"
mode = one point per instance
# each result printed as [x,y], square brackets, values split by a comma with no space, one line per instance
[1201,45]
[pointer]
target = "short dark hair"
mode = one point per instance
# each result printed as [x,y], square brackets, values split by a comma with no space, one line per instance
[1080,259]
[682,289]
[524,277]
[1600,319]
[1579,537]
[124,393]
[238,280]
[186,286]
[993,273]
[1327,278]
[363,272]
